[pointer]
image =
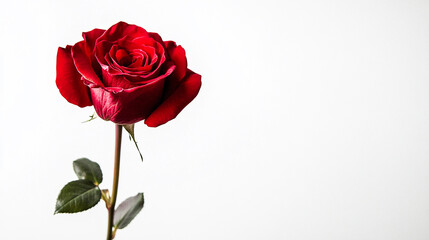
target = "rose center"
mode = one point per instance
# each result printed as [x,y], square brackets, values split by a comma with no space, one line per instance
[137,59]
[123,58]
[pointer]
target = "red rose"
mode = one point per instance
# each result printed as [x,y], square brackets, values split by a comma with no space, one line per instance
[128,74]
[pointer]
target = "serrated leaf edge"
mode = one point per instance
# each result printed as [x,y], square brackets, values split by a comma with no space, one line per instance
[95,187]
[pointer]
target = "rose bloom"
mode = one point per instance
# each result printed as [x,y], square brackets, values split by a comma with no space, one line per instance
[128,74]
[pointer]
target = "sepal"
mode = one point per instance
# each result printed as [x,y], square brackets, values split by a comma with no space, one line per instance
[130,130]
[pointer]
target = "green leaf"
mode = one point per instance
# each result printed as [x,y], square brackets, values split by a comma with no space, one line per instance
[89,170]
[77,196]
[130,130]
[128,210]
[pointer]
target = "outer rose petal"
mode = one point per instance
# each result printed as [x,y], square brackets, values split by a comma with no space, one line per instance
[156,37]
[69,80]
[82,60]
[91,36]
[122,29]
[90,39]
[127,106]
[178,100]
[178,56]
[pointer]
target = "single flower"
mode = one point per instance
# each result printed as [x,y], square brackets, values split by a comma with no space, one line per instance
[128,74]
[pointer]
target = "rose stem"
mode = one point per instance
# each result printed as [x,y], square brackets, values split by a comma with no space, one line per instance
[111,208]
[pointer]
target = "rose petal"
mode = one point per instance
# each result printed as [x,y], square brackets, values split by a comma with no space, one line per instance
[117,69]
[137,59]
[168,68]
[69,80]
[126,81]
[122,29]
[91,36]
[100,51]
[146,73]
[82,60]
[150,58]
[118,81]
[127,106]
[178,56]
[146,44]
[178,100]
[123,57]
[157,38]
[90,39]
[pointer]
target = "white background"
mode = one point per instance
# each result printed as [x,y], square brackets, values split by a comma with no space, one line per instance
[312,122]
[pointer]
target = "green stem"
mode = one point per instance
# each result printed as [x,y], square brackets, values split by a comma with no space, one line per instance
[111,208]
